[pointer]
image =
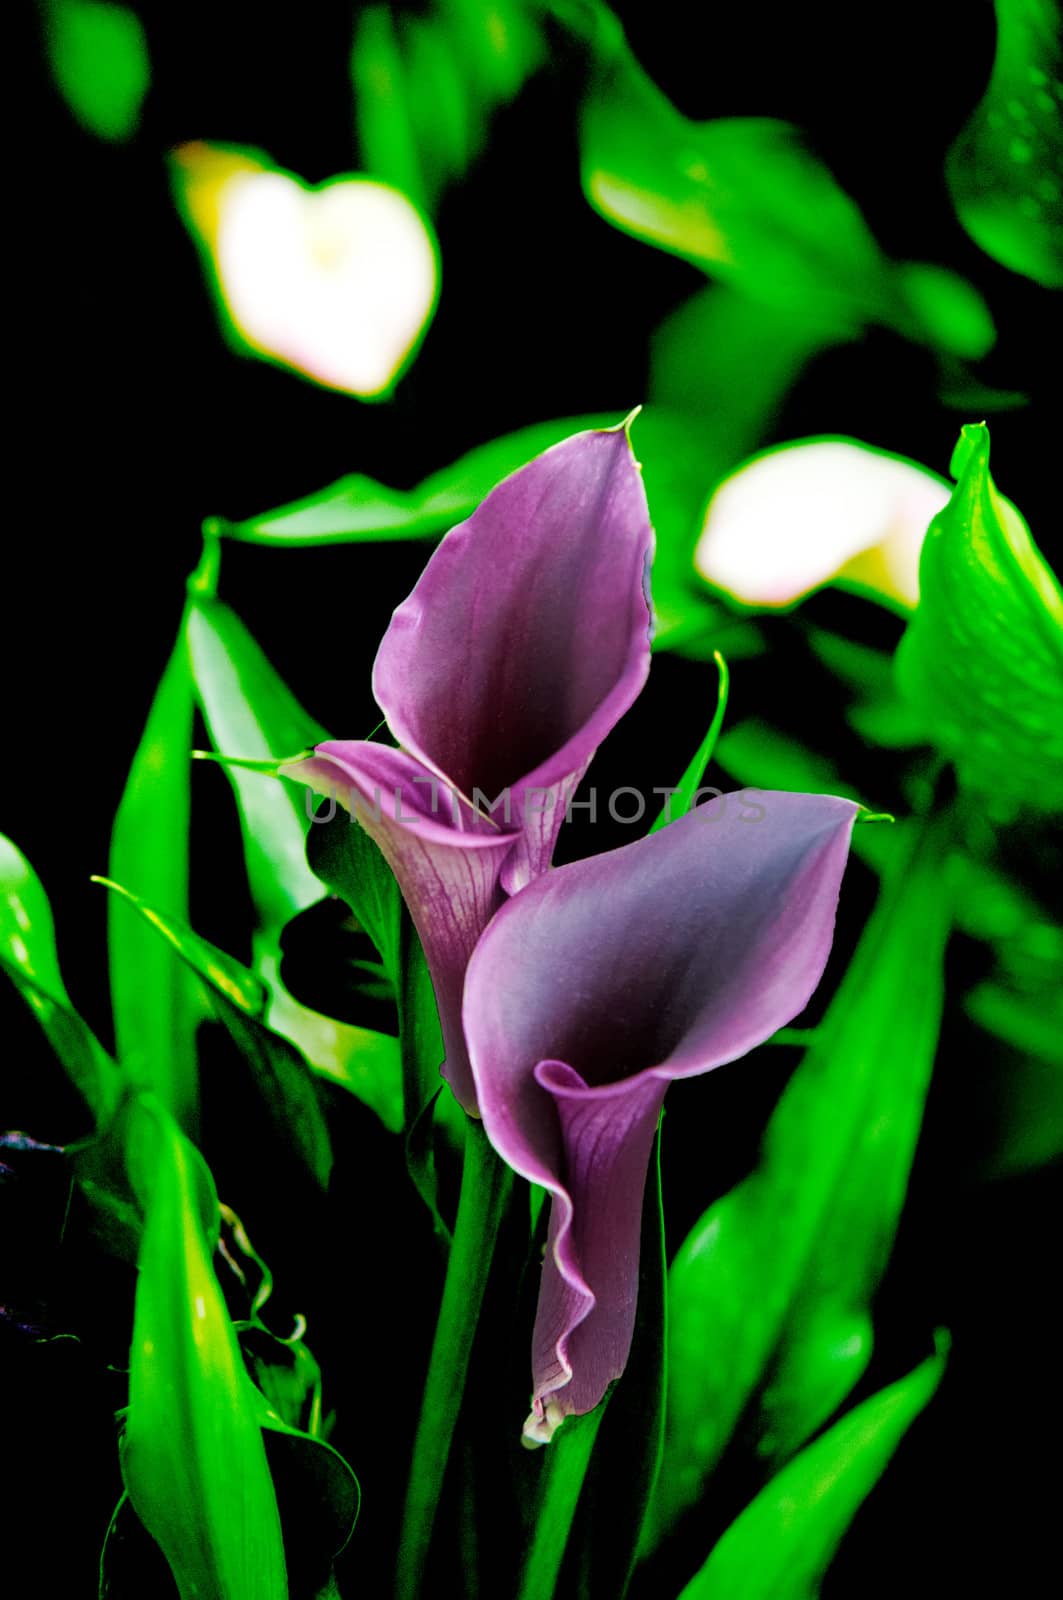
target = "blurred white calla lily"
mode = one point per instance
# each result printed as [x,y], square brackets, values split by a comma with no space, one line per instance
[338,282]
[816,512]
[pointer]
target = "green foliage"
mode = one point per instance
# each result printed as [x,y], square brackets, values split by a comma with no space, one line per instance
[241,1000]
[770,1293]
[426,86]
[1005,171]
[154,1001]
[28,956]
[251,714]
[357,508]
[193,1458]
[99,59]
[679,803]
[783,1542]
[982,659]
[745,200]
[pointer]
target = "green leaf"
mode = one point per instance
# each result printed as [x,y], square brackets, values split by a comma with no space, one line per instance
[678,804]
[192,1452]
[982,659]
[770,1293]
[745,200]
[99,58]
[156,1005]
[251,713]
[357,508]
[241,1000]
[1031,1024]
[1004,171]
[385,134]
[28,957]
[343,856]
[318,1492]
[424,87]
[784,1541]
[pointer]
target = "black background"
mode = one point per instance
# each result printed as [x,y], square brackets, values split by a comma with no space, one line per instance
[131,422]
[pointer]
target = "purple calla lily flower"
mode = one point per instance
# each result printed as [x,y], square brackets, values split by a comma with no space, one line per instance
[593,989]
[523,643]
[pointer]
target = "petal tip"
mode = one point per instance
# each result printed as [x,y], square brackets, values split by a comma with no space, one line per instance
[539,1430]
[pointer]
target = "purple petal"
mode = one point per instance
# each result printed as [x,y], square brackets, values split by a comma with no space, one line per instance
[597,985]
[527,636]
[445,856]
[582,1334]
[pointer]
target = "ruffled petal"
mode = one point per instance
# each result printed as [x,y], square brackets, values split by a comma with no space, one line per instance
[527,636]
[446,857]
[599,983]
[582,1334]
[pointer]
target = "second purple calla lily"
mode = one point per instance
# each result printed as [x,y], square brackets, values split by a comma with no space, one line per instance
[593,989]
[525,640]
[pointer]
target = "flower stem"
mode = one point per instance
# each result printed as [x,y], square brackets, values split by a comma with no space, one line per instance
[567,1459]
[485,1185]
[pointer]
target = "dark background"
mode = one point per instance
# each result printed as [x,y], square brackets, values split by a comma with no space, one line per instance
[132,422]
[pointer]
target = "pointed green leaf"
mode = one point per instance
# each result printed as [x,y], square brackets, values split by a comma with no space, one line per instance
[99,59]
[193,1457]
[784,1541]
[770,1293]
[156,1006]
[241,1000]
[745,200]
[28,957]
[982,658]
[251,713]
[1005,171]
[357,508]
[679,803]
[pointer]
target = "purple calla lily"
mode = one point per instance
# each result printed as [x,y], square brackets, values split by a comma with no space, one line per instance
[523,643]
[597,985]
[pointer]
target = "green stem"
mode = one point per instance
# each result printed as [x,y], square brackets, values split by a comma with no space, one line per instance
[568,1457]
[485,1187]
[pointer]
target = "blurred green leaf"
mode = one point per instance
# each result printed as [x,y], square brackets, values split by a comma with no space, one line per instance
[784,1541]
[745,200]
[426,86]
[357,508]
[28,957]
[99,58]
[765,758]
[282,1076]
[1005,171]
[719,368]
[770,1293]
[1032,1024]
[982,658]
[386,139]
[156,1005]
[192,1453]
